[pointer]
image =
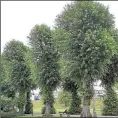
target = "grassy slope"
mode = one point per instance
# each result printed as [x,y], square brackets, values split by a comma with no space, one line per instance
[61,107]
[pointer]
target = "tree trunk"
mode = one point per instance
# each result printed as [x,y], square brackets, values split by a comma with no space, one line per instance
[47,109]
[21,102]
[87,99]
[49,102]
[28,106]
[86,108]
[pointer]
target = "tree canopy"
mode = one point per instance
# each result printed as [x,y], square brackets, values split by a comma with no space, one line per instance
[91,41]
[20,80]
[46,58]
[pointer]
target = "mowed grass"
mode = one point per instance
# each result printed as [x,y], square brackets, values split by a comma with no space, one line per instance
[38,105]
[98,106]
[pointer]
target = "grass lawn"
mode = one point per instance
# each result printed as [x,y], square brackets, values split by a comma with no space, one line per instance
[38,105]
[98,106]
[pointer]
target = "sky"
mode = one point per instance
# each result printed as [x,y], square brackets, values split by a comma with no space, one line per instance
[19,17]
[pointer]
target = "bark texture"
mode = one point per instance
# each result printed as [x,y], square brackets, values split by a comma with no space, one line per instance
[87,100]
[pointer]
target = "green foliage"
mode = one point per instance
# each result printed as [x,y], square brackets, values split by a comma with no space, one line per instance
[75,105]
[2,70]
[8,107]
[91,44]
[32,84]
[109,79]
[15,55]
[46,58]
[45,55]
[19,79]
[14,50]
[64,97]
[60,40]
[110,103]
[11,114]
[70,85]
[7,89]
[111,76]
[21,101]
[21,73]
[33,68]
[7,104]
[116,86]
[75,15]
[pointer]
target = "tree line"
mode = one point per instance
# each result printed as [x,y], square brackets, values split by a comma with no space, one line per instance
[81,49]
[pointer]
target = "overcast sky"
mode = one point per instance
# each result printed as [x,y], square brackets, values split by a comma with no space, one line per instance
[19,17]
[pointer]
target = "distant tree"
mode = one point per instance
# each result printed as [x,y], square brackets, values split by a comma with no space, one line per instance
[46,58]
[64,97]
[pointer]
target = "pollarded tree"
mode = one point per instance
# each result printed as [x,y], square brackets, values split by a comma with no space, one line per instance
[46,58]
[14,52]
[91,43]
